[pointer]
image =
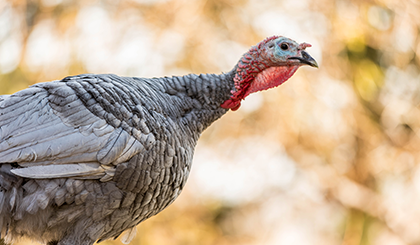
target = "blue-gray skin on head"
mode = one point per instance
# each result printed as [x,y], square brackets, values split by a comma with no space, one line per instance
[284,51]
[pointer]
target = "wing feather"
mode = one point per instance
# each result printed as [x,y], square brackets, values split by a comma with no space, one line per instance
[77,170]
[114,147]
[50,133]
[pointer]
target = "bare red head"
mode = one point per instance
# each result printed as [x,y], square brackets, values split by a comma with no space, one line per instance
[266,65]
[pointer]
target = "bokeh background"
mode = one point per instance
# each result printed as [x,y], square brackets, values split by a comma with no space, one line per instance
[330,157]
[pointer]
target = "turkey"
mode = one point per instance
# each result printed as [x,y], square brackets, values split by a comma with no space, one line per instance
[87,157]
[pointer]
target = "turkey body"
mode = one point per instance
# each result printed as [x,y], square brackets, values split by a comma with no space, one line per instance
[87,157]
[90,156]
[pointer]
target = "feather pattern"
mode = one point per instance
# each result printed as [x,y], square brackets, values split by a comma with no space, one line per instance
[99,151]
[85,158]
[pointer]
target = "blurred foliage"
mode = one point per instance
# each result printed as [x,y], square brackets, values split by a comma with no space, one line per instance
[331,157]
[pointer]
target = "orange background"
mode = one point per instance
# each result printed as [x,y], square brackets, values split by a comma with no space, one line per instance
[330,157]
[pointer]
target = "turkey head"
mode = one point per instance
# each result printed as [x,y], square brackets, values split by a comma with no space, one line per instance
[266,65]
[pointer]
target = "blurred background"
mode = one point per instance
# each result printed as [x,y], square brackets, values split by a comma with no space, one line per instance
[330,157]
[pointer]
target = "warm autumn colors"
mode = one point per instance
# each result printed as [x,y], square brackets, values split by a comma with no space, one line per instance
[330,157]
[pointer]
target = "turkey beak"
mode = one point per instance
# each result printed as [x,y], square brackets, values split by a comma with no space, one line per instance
[306,59]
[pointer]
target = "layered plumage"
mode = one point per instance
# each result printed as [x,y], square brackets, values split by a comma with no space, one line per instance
[87,157]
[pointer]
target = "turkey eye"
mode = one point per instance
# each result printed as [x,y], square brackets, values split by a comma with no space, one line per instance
[284,46]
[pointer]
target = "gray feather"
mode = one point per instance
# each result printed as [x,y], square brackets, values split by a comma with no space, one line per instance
[76,170]
[91,156]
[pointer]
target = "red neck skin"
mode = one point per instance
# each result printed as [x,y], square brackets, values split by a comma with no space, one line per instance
[254,74]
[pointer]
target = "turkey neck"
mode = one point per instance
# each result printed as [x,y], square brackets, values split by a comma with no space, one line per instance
[195,99]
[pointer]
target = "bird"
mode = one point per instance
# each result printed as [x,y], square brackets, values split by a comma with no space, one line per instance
[87,157]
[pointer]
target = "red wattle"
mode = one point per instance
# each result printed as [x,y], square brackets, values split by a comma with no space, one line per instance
[231,104]
[270,78]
